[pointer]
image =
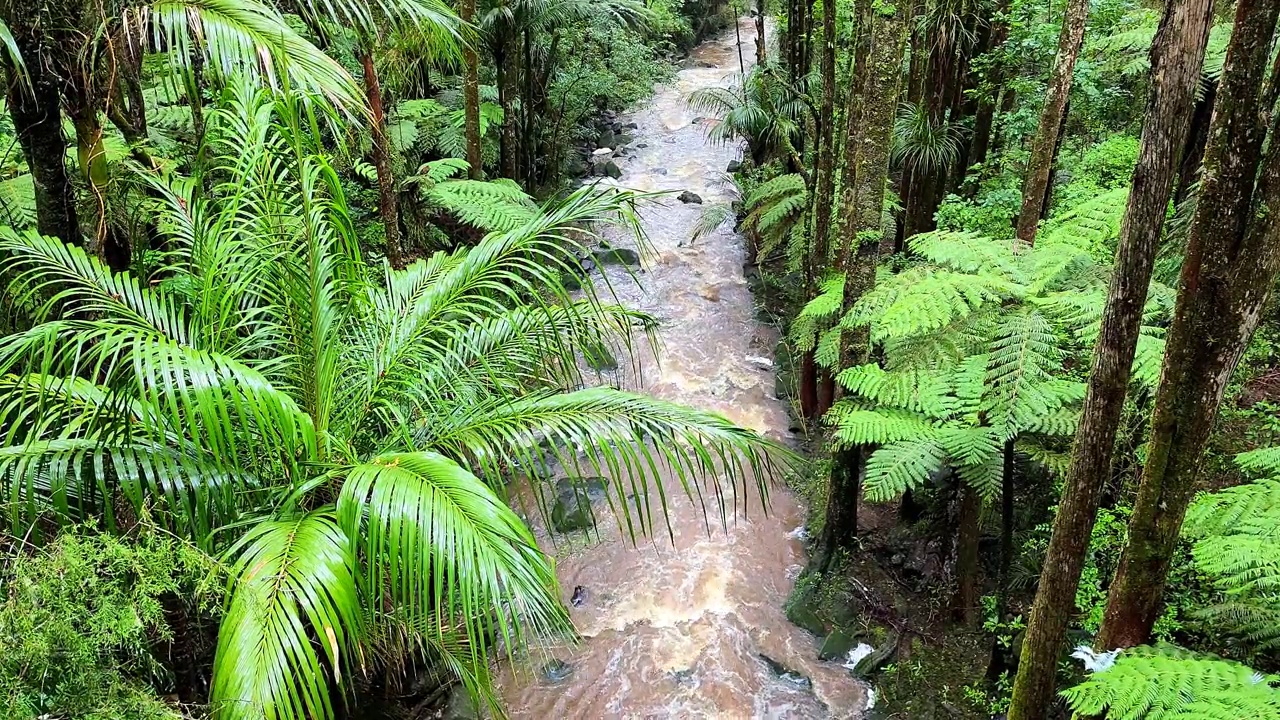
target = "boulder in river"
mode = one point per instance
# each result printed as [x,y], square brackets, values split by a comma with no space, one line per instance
[733,166]
[556,671]
[837,645]
[607,138]
[876,659]
[612,170]
[579,596]
[617,256]
[785,673]
[690,197]
[572,509]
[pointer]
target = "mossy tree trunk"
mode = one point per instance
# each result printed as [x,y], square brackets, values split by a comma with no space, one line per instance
[1176,57]
[37,121]
[1233,254]
[878,56]
[471,93]
[1045,142]
[964,605]
[388,200]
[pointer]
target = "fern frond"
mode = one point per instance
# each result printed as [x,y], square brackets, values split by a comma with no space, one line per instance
[927,393]
[855,425]
[901,466]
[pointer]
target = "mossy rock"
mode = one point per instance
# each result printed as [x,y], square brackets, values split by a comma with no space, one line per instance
[802,611]
[837,645]
[599,357]
[574,497]
[617,256]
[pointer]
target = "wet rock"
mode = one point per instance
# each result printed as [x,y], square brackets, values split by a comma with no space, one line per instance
[785,673]
[689,197]
[837,645]
[603,152]
[696,121]
[623,139]
[733,166]
[612,170]
[606,138]
[659,171]
[796,425]
[763,363]
[682,677]
[631,126]
[571,281]
[460,706]
[579,596]
[576,166]
[641,146]
[710,292]
[556,671]
[574,496]
[802,611]
[599,357]
[876,659]
[617,256]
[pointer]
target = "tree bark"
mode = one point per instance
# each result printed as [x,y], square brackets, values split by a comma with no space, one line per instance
[1193,153]
[869,118]
[1055,101]
[1233,254]
[1176,58]
[819,255]
[999,663]
[37,121]
[760,37]
[984,116]
[964,605]
[471,93]
[388,200]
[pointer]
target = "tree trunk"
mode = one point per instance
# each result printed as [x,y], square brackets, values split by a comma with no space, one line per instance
[819,255]
[808,389]
[1176,58]
[1055,101]
[964,605]
[999,654]
[1233,254]
[471,93]
[38,124]
[388,200]
[868,127]
[984,117]
[760,39]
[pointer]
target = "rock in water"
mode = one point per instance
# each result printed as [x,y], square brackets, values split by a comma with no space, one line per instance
[733,167]
[688,197]
[617,256]
[612,170]
[574,497]
[599,357]
[837,645]
[785,673]
[556,671]
[579,596]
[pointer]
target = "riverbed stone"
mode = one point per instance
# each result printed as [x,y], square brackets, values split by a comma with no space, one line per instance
[574,497]
[785,673]
[837,645]
[802,610]
[617,256]
[733,166]
[612,170]
[607,138]
[556,671]
[690,197]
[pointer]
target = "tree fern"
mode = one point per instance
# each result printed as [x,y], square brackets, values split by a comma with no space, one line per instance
[901,466]
[1166,683]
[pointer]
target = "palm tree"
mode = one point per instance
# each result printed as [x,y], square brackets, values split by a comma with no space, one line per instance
[760,110]
[340,432]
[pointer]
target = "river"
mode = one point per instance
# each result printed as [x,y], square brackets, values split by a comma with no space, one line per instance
[679,630]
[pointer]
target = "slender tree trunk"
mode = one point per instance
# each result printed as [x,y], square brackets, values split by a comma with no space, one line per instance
[388,200]
[984,116]
[869,118]
[38,124]
[1233,254]
[965,603]
[91,153]
[471,93]
[510,149]
[999,654]
[1055,102]
[820,246]
[1176,58]
[760,38]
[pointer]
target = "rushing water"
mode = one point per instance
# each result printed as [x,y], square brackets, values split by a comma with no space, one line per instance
[678,630]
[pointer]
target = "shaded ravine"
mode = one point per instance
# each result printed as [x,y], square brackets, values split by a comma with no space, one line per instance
[680,630]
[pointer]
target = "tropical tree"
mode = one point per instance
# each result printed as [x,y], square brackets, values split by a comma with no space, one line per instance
[1178,56]
[340,432]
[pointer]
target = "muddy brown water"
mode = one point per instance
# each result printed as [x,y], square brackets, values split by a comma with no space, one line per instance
[677,630]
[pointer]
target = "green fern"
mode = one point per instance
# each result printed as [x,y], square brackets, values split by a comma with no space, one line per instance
[1166,683]
[901,466]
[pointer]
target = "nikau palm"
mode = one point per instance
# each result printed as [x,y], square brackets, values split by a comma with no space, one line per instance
[340,432]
